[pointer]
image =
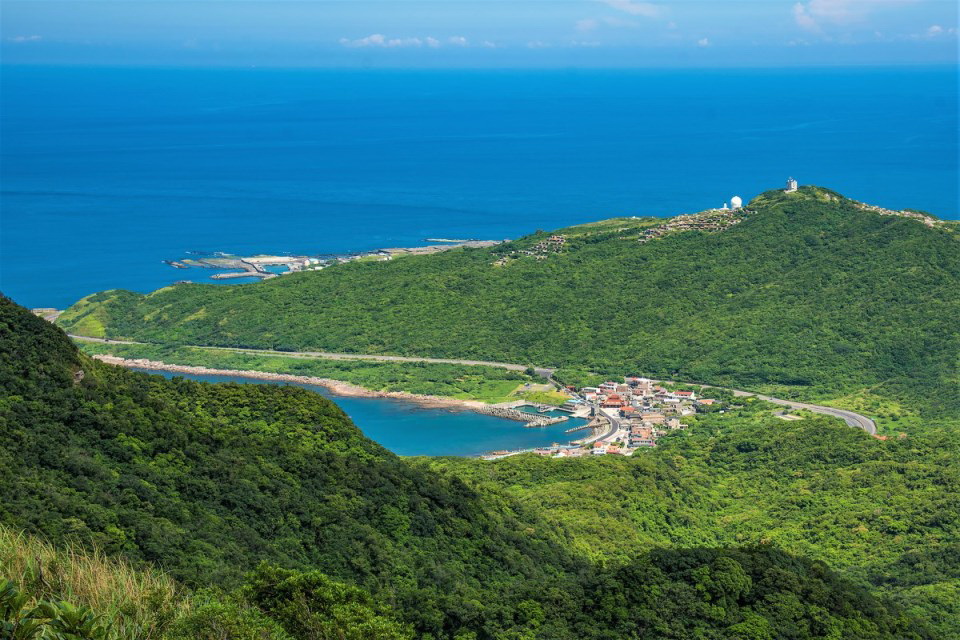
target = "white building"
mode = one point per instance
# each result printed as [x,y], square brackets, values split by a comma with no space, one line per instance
[645,386]
[736,202]
[791,185]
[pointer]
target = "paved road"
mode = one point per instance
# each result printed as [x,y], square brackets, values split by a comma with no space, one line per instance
[614,425]
[851,418]
[103,340]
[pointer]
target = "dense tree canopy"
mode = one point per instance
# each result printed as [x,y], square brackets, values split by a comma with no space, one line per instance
[210,481]
[884,513]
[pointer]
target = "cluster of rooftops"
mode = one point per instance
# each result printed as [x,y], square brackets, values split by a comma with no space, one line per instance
[646,410]
[641,409]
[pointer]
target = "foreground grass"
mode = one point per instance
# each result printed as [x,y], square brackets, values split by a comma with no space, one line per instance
[73,593]
[141,602]
[484,384]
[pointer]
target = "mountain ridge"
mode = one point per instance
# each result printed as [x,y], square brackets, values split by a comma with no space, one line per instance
[810,291]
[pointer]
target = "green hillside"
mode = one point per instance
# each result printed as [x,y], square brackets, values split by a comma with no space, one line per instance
[808,294]
[211,481]
[884,513]
[72,594]
[208,480]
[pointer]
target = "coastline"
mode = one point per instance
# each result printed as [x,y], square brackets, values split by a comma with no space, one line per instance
[346,389]
[507,411]
[336,387]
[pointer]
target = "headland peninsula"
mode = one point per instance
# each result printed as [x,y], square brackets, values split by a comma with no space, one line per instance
[263,266]
[621,420]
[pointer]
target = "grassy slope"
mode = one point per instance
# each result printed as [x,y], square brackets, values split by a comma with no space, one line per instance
[808,294]
[143,602]
[128,602]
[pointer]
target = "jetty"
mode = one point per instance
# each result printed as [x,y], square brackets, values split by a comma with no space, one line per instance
[545,422]
[530,420]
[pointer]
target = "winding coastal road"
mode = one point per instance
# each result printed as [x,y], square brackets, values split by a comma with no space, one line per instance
[614,426]
[853,419]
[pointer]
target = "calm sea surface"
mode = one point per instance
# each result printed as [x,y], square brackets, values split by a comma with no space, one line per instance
[408,429]
[107,172]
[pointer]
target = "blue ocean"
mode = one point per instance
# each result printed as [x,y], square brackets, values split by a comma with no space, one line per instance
[108,172]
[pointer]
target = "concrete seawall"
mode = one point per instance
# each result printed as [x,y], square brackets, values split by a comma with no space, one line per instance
[530,419]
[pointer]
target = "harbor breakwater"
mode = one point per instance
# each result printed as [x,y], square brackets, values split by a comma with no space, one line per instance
[529,419]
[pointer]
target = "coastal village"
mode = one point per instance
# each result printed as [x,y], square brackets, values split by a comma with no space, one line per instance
[623,417]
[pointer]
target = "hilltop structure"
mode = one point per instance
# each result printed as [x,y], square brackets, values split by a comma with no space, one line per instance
[736,202]
[791,185]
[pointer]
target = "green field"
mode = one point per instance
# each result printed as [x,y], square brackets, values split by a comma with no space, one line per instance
[486,384]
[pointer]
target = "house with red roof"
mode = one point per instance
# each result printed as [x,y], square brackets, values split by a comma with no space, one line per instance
[613,401]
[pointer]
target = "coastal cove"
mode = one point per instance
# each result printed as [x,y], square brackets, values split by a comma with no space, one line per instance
[413,427]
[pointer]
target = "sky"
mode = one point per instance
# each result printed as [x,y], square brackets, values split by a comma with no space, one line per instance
[479,33]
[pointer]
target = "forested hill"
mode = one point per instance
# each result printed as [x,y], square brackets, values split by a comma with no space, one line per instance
[808,290]
[211,481]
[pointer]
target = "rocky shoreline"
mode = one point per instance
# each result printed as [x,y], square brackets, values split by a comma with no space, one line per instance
[336,387]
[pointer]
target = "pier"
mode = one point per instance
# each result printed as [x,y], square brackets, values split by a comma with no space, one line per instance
[545,422]
[512,413]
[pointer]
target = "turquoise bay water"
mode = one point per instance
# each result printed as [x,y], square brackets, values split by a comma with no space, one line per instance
[408,429]
[107,172]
